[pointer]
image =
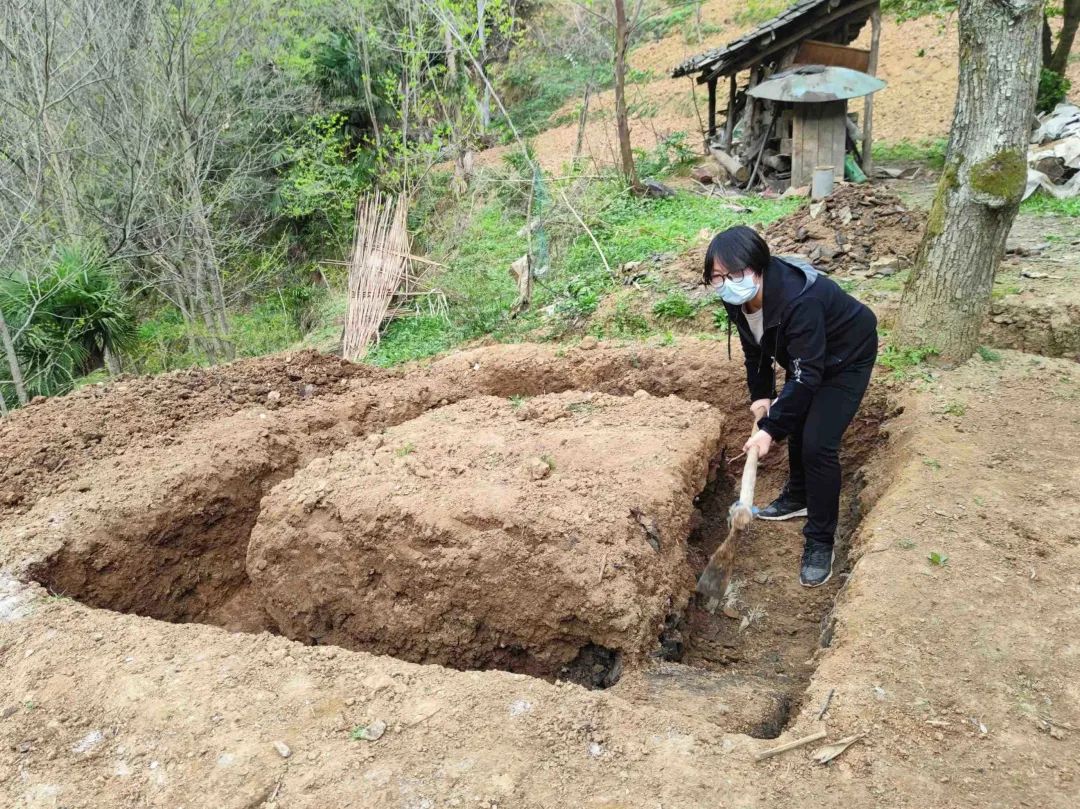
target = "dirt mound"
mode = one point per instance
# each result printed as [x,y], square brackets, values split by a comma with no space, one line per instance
[44,444]
[527,536]
[850,229]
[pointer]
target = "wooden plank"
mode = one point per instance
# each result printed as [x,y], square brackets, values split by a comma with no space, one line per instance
[813,52]
[834,120]
[868,103]
[712,110]
[729,125]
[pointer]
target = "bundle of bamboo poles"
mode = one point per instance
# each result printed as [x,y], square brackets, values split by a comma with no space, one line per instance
[377,267]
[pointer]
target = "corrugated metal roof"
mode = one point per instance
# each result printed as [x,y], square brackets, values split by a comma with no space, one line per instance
[788,22]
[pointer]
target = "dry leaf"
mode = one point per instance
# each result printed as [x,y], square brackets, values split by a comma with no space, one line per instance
[731,612]
[825,754]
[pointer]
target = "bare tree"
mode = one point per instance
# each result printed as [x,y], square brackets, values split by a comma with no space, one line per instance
[622,124]
[948,294]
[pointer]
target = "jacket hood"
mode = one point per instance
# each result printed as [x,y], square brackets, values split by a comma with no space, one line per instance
[786,279]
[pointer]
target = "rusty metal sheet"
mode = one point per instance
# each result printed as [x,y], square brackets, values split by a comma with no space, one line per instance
[816,83]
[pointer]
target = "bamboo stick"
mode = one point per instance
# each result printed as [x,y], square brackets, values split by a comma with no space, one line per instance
[783,748]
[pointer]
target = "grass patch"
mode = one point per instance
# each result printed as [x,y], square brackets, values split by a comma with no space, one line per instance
[675,306]
[1042,204]
[903,361]
[755,12]
[904,10]
[480,290]
[988,354]
[929,151]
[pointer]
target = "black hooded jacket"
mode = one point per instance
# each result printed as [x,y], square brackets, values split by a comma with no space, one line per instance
[812,328]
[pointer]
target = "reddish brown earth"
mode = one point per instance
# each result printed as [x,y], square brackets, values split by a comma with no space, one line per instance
[959,678]
[490,533]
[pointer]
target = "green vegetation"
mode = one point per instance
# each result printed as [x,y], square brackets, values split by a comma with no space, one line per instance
[1044,204]
[539,85]
[1053,89]
[115,262]
[670,155]
[65,320]
[675,306]
[937,559]
[904,10]
[480,292]
[903,361]
[931,152]
[755,12]
[988,354]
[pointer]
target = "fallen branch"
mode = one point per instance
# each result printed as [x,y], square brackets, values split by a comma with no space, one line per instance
[775,751]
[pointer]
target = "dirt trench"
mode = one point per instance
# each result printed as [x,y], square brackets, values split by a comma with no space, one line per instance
[172,533]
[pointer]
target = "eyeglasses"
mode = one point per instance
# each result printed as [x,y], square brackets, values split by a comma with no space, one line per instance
[719,279]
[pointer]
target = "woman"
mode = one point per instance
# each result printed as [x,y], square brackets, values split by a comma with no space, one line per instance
[788,313]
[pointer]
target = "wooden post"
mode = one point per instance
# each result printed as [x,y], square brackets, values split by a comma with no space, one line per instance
[712,110]
[729,125]
[868,104]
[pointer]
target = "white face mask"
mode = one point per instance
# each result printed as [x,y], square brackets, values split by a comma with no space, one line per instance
[738,292]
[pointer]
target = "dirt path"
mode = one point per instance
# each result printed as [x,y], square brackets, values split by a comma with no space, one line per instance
[961,677]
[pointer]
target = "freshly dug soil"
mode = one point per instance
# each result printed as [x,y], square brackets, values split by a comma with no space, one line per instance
[41,446]
[494,533]
[849,229]
[175,520]
[737,702]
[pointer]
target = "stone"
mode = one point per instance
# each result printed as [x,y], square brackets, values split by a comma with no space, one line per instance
[537,468]
[703,174]
[88,742]
[885,266]
[588,342]
[282,749]
[371,733]
[657,190]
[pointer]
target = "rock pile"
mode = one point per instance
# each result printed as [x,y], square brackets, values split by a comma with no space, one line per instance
[857,228]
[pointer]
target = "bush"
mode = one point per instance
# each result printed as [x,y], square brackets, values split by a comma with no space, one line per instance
[1053,89]
[670,155]
[675,306]
[64,317]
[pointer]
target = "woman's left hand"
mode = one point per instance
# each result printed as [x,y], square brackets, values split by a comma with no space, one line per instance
[762,440]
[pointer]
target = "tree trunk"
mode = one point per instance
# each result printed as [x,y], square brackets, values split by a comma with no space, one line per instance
[1059,61]
[1047,42]
[12,361]
[451,58]
[948,294]
[485,99]
[112,362]
[622,124]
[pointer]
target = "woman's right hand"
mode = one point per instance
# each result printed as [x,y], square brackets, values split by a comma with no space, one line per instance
[760,409]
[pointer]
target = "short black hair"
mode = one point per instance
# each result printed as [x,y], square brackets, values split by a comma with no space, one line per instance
[736,248]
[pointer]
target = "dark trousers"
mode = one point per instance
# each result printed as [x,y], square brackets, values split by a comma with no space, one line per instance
[814,449]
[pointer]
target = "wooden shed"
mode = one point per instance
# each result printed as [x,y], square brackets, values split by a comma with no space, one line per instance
[774,140]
